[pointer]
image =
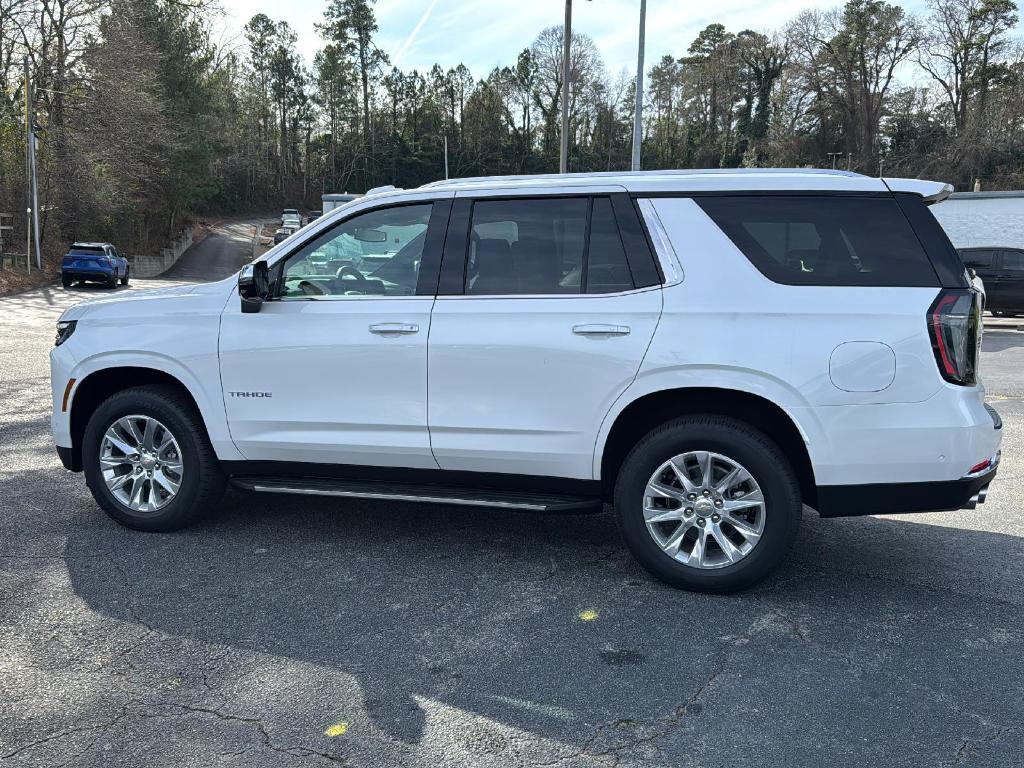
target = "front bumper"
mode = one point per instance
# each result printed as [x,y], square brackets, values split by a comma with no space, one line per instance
[898,498]
[67,458]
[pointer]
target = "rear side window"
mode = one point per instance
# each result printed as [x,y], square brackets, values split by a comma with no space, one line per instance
[530,246]
[818,240]
[1013,261]
[607,268]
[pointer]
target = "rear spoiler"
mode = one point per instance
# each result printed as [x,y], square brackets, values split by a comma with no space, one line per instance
[930,191]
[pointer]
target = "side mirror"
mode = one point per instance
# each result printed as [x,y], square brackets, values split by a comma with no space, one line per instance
[253,286]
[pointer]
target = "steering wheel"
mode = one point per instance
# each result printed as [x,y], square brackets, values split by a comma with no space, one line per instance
[348,269]
[309,288]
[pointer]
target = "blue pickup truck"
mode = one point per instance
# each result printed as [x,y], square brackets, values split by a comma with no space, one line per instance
[98,262]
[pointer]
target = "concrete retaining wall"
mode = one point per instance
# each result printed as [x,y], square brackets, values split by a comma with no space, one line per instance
[151,266]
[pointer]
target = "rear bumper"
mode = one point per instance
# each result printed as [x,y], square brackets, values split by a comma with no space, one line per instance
[88,274]
[898,498]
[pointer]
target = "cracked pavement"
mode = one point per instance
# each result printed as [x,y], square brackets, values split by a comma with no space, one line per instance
[437,636]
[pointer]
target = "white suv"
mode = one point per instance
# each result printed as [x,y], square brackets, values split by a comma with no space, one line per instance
[708,351]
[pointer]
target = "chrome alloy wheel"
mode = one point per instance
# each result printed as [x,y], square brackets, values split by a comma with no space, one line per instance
[704,510]
[141,463]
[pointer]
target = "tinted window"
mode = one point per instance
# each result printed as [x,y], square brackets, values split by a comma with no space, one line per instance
[526,246]
[607,268]
[540,246]
[1013,261]
[818,240]
[376,253]
[977,259]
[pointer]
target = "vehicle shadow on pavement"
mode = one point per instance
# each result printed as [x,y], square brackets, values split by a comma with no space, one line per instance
[545,623]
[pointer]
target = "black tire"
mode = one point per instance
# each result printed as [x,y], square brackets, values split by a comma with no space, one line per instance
[66,282]
[741,443]
[112,281]
[202,480]
[124,280]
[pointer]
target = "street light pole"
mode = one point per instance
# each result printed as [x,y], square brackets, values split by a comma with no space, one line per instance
[638,108]
[563,158]
[446,156]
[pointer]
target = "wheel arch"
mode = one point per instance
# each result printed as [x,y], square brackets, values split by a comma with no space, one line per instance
[647,411]
[96,387]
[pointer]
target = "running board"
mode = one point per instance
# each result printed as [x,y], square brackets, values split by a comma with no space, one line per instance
[424,494]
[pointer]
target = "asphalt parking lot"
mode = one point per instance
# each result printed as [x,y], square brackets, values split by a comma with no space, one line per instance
[306,632]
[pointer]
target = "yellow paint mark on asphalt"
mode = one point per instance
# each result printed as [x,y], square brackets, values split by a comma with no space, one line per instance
[338,729]
[588,615]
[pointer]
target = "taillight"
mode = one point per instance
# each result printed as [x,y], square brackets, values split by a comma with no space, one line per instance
[954,324]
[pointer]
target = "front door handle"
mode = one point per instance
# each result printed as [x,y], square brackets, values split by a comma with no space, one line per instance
[394,329]
[600,329]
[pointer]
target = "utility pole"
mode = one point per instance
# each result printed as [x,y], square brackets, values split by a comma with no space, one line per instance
[446,156]
[638,108]
[28,171]
[563,158]
[32,225]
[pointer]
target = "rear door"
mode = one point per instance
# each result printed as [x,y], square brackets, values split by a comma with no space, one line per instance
[1011,281]
[546,308]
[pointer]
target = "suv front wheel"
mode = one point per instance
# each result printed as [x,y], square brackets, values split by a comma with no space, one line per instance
[148,461]
[708,503]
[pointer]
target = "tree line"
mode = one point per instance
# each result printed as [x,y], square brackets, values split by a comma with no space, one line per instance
[146,118]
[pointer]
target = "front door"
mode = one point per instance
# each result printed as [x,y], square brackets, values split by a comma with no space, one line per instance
[334,370]
[550,327]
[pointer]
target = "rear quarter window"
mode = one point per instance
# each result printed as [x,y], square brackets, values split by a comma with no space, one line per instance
[819,240]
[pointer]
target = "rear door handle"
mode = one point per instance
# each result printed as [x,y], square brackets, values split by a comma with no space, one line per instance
[394,329]
[600,329]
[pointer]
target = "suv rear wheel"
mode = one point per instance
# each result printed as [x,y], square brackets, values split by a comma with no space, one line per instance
[148,461]
[708,503]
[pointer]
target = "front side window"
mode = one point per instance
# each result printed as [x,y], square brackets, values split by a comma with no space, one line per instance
[824,240]
[537,246]
[376,253]
[978,259]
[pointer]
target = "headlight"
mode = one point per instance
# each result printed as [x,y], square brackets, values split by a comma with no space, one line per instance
[64,330]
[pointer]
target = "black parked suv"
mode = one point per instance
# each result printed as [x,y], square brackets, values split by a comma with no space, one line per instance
[1002,271]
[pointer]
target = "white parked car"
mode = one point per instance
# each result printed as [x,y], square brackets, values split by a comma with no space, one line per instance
[291,217]
[707,351]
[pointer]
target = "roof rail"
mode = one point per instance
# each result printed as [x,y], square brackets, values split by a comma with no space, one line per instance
[640,174]
[384,188]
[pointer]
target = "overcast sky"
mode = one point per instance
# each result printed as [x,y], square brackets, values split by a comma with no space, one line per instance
[486,33]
